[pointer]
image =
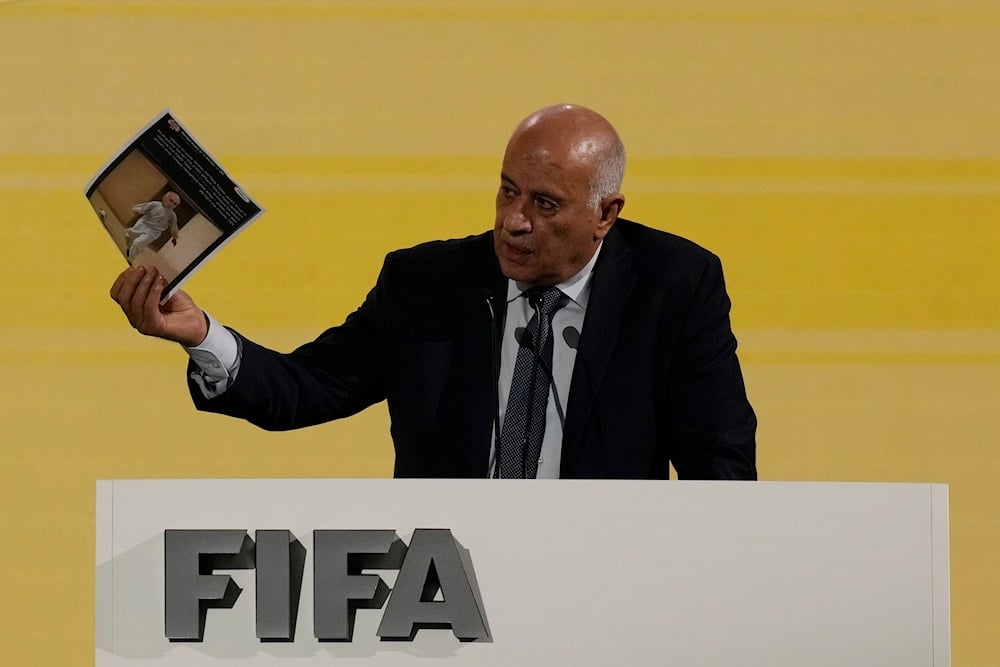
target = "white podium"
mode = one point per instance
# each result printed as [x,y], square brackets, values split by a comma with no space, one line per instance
[564,572]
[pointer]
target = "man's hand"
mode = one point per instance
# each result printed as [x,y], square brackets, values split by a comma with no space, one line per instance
[138,289]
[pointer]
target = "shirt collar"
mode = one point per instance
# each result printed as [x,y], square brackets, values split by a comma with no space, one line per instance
[576,288]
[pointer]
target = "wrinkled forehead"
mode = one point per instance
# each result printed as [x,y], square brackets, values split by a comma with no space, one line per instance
[555,149]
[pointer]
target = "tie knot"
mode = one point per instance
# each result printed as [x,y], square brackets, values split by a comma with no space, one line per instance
[547,299]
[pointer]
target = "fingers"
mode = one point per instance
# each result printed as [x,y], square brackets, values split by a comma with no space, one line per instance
[124,287]
[140,315]
[137,291]
[132,299]
[119,283]
[151,305]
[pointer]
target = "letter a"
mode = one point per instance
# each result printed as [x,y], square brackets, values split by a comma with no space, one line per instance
[433,562]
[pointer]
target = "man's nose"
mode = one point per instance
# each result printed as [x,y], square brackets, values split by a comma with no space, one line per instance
[516,222]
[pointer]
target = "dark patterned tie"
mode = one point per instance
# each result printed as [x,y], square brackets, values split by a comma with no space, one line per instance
[524,420]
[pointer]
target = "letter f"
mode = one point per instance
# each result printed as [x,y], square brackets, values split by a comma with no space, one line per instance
[190,588]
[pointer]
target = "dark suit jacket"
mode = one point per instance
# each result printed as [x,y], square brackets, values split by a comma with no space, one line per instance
[656,377]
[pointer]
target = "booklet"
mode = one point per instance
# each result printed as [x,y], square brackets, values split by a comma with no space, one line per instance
[166,202]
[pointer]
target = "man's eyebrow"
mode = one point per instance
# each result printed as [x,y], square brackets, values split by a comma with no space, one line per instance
[559,199]
[504,178]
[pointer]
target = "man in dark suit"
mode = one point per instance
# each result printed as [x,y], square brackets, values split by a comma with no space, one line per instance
[644,372]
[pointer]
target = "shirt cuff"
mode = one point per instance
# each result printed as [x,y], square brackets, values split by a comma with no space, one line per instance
[217,358]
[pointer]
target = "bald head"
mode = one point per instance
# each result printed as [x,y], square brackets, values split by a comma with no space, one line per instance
[559,193]
[586,137]
[171,199]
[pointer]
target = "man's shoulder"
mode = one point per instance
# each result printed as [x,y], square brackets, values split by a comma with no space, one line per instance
[656,249]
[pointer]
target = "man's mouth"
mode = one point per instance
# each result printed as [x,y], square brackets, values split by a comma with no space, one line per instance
[517,249]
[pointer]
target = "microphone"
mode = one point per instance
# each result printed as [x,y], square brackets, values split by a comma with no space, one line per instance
[487,296]
[572,337]
[535,299]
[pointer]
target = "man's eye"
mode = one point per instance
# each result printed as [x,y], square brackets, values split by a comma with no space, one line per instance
[506,192]
[545,204]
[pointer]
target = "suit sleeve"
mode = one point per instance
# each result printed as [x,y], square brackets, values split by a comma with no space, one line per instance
[337,375]
[712,424]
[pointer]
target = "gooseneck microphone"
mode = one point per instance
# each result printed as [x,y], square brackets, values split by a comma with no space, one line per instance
[487,296]
[572,337]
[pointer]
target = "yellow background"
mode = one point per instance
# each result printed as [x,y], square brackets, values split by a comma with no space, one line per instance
[842,157]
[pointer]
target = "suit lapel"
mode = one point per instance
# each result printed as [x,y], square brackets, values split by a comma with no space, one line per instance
[611,284]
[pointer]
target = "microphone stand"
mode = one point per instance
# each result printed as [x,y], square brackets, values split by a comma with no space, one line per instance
[495,378]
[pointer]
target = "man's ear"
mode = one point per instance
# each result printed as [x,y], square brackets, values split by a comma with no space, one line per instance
[611,208]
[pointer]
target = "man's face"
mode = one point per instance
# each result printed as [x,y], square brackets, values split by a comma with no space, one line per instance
[171,200]
[546,230]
